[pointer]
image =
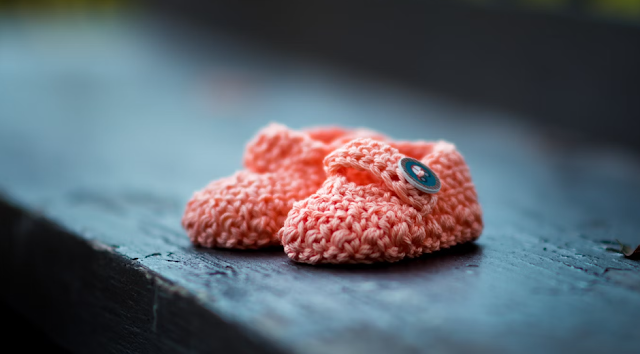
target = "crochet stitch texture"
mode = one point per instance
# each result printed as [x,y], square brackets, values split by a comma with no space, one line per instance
[247,209]
[366,212]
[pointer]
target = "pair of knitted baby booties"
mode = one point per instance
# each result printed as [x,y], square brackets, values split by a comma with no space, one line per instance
[332,195]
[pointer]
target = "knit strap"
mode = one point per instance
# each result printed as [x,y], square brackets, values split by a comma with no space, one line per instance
[381,160]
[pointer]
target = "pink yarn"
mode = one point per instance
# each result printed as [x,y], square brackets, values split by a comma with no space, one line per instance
[247,209]
[366,212]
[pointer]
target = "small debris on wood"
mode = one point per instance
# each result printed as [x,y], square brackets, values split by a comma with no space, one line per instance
[627,251]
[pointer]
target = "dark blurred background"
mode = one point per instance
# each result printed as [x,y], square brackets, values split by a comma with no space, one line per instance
[573,64]
[571,67]
[568,64]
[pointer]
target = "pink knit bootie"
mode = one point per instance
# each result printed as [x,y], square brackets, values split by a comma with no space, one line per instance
[247,209]
[367,211]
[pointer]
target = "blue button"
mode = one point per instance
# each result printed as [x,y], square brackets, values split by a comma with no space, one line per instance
[419,175]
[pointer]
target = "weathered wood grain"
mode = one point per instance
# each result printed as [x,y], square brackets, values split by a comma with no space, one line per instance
[102,143]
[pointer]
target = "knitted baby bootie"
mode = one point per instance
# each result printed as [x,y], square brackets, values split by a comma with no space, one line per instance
[247,209]
[367,210]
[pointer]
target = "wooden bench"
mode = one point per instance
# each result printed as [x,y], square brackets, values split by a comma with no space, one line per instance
[106,132]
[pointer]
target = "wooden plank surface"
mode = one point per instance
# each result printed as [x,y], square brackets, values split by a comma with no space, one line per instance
[107,126]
